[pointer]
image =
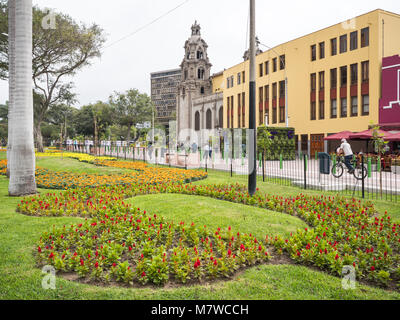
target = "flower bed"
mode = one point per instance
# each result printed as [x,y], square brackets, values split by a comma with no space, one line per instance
[131,245]
[345,232]
[142,174]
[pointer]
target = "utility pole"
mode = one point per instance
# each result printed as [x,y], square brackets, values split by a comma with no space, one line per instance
[153,129]
[252,166]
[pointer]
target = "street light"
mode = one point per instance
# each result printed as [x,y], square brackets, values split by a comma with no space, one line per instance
[286,84]
[252,182]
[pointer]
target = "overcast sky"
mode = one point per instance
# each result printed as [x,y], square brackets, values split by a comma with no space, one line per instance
[128,63]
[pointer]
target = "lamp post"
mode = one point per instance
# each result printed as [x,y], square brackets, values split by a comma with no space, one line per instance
[252,183]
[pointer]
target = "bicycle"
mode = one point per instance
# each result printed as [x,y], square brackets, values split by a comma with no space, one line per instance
[339,167]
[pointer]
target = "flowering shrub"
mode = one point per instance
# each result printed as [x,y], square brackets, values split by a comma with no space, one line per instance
[130,245]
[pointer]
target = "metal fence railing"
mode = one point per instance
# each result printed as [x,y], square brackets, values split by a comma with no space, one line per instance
[373,179]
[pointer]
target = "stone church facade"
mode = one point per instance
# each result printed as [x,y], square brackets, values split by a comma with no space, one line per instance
[198,108]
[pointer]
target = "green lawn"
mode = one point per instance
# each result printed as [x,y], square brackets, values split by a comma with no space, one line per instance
[72,165]
[20,279]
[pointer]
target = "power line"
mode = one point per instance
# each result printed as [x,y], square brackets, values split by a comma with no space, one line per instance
[147,25]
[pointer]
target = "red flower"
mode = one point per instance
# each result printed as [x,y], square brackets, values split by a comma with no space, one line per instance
[39,249]
[143,274]
[51,255]
[96,265]
[372,268]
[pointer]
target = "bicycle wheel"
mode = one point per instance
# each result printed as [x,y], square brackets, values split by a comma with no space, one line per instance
[337,170]
[358,172]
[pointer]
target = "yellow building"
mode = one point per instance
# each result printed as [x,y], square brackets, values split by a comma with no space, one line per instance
[333,77]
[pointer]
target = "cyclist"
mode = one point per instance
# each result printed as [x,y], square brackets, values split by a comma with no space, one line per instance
[348,155]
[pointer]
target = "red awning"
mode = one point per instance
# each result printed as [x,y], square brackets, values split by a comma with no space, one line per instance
[339,136]
[393,136]
[367,135]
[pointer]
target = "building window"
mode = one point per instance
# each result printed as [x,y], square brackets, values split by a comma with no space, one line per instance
[322,80]
[334,46]
[353,40]
[282,62]
[239,78]
[322,50]
[343,76]
[343,107]
[221,117]
[202,90]
[266,100]
[321,110]
[267,68]
[313,111]
[333,108]
[244,77]
[227,83]
[199,54]
[197,121]
[274,65]
[313,52]
[281,114]
[313,82]
[209,120]
[239,109]
[274,97]
[244,109]
[365,37]
[354,73]
[232,110]
[228,113]
[261,109]
[365,71]
[354,106]
[261,104]
[282,89]
[365,105]
[261,68]
[200,74]
[333,78]
[343,43]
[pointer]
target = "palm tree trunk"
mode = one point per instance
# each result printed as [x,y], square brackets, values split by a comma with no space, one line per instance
[128,137]
[11,72]
[22,165]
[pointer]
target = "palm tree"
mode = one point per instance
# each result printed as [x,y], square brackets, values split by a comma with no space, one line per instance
[11,71]
[22,160]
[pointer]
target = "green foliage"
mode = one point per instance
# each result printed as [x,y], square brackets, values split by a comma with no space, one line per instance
[275,142]
[131,107]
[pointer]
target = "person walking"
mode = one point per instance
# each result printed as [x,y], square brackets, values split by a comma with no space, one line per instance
[348,155]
